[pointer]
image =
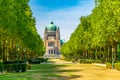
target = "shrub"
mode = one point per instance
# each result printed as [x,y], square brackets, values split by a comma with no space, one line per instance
[108,65]
[1,67]
[80,60]
[117,66]
[74,60]
[89,61]
[19,67]
[97,61]
[38,60]
[42,59]
[23,67]
[8,67]
[86,61]
[14,66]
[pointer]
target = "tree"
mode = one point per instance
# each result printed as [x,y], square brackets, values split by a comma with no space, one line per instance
[17,26]
[98,32]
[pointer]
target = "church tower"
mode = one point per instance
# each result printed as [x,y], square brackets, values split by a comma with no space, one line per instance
[52,40]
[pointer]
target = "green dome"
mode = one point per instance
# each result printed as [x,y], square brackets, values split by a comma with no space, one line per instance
[51,27]
[62,42]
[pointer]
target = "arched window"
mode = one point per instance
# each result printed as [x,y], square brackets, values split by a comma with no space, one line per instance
[54,51]
[49,51]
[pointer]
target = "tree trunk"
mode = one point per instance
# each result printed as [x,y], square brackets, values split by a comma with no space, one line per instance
[115,50]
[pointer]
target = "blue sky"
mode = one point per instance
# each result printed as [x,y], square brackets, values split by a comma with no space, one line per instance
[64,13]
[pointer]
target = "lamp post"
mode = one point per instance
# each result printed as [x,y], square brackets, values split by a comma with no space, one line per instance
[24,55]
[112,58]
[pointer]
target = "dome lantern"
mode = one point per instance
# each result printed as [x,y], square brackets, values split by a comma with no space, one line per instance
[51,27]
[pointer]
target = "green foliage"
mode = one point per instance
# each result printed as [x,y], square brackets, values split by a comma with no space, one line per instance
[89,61]
[96,34]
[14,66]
[108,65]
[1,67]
[17,28]
[117,66]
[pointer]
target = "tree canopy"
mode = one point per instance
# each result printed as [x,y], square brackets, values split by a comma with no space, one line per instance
[17,28]
[99,31]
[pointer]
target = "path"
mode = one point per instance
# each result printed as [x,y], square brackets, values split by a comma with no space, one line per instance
[86,71]
[58,61]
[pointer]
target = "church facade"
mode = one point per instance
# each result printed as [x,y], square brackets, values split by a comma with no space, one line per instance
[52,40]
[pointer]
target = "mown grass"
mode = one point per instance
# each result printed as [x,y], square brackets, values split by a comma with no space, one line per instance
[64,72]
[37,72]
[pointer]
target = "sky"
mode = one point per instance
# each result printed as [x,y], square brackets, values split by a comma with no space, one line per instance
[64,13]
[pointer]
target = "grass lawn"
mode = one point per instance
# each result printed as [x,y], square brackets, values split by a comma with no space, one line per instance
[64,72]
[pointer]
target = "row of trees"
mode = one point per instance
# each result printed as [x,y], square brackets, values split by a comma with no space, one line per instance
[18,35]
[97,34]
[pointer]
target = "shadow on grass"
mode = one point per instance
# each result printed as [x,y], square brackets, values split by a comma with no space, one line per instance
[57,77]
[44,72]
[50,71]
[47,66]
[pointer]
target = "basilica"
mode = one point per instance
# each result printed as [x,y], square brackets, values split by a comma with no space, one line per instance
[52,40]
